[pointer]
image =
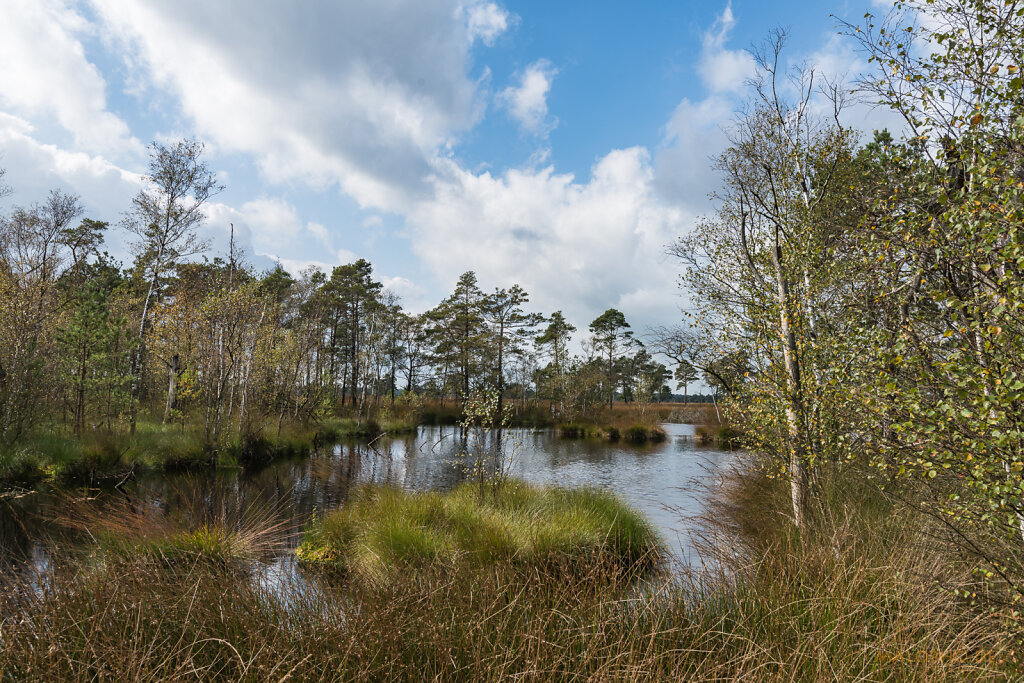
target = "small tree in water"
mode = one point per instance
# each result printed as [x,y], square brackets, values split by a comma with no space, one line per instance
[483,424]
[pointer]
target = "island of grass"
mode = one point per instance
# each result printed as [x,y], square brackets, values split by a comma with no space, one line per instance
[383,531]
[633,433]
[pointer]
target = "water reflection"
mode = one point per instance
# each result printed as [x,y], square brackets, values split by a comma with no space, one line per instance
[664,480]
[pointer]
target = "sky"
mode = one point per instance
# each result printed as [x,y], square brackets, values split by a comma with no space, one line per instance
[558,145]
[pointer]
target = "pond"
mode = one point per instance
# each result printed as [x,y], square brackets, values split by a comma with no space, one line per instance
[667,481]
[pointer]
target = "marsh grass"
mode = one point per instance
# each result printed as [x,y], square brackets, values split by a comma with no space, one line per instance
[385,532]
[142,622]
[121,533]
[95,456]
[865,592]
[623,422]
[723,435]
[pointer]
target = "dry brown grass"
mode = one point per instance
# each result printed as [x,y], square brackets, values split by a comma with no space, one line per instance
[862,595]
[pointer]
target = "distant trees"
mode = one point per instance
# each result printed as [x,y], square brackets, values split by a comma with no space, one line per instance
[610,338]
[685,374]
[178,337]
[511,329]
[352,295]
[553,342]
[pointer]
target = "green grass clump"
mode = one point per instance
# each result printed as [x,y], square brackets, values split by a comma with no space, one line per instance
[207,543]
[577,430]
[19,468]
[381,531]
[644,433]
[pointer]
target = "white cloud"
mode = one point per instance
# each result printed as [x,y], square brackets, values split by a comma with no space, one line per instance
[693,136]
[361,94]
[577,246]
[371,97]
[413,296]
[46,74]
[271,227]
[722,69]
[527,102]
[485,21]
[34,168]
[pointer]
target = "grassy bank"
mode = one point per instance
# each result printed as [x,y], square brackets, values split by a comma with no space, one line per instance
[383,533]
[56,455]
[864,594]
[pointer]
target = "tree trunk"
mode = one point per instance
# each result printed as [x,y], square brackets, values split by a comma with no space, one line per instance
[501,373]
[172,385]
[794,408]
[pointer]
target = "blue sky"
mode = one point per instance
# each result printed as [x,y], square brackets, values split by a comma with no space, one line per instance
[557,145]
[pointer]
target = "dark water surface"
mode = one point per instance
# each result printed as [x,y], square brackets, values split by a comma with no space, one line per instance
[667,481]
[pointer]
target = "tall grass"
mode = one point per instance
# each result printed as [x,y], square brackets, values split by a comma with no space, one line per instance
[121,533]
[865,592]
[384,532]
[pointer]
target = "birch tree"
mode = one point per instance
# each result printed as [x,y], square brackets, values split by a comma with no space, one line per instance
[164,218]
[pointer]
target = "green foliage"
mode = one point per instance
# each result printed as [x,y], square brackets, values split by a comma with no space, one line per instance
[869,298]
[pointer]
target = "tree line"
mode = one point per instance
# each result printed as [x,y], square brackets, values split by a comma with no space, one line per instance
[179,337]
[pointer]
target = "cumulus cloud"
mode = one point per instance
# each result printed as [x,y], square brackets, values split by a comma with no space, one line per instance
[270,229]
[527,102]
[578,246]
[722,69]
[46,75]
[371,98]
[358,94]
[693,136]
[34,168]
[485,21]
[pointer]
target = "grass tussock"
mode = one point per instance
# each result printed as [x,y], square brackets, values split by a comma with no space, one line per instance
[382,532]
[720,434]
[634,433]
[623,422]
[120,534]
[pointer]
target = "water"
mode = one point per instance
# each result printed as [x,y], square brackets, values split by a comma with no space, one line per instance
[667,481]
